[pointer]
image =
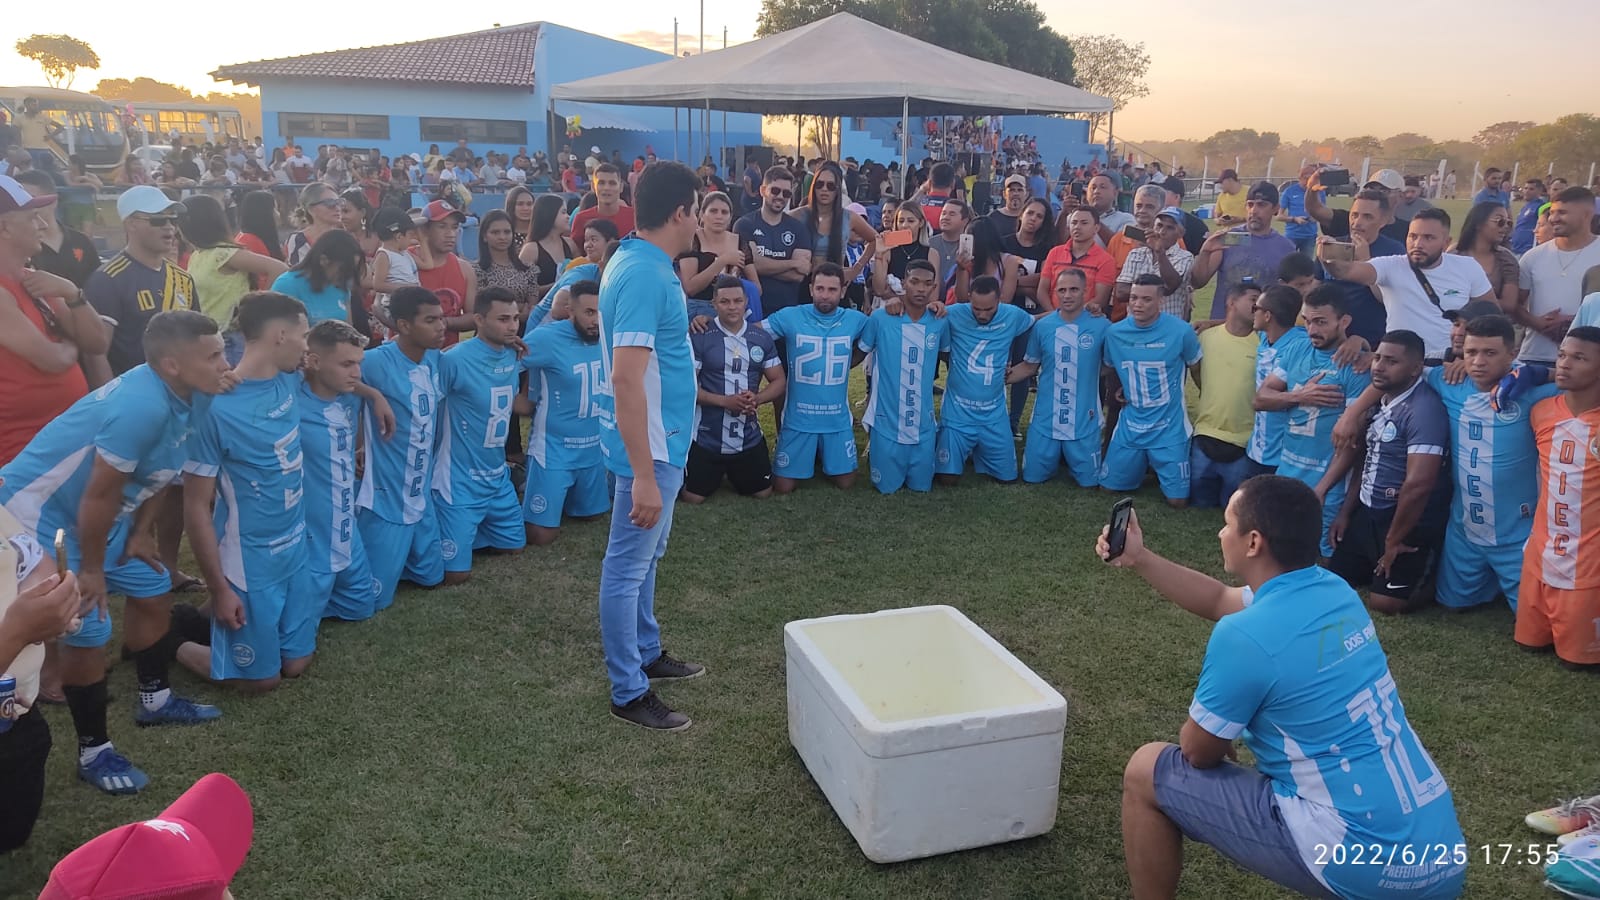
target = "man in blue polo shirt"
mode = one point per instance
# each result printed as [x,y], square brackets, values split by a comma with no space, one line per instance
[647,421]
[1343,800]
[1533,197]
[1298,226]
[1493,190]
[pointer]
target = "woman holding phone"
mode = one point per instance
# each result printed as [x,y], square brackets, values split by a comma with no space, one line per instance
[716,250]
[908,240]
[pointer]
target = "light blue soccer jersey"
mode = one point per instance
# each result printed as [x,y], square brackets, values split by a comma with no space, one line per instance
[478,383]
[1151,363]
[1307,449]
[1069,355]
[1495,461]
[975,390]
[641,305]
[1266,432]
[817,394]
[905,362]
[328,443]
[564,385]
[134,422]
[250,443]
[399,469]
[1300,675]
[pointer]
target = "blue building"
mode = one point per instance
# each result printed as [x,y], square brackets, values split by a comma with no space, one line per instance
[491,87]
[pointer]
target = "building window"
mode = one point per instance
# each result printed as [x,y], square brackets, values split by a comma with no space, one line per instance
[333,125]
[476,131]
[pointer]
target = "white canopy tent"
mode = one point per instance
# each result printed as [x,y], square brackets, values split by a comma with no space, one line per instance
[880,73]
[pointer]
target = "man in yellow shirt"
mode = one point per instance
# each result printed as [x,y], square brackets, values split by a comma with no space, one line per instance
[1230,208]
[1224,412]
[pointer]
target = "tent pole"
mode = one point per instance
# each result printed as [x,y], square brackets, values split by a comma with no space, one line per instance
[905,135]
[799,136]
[707,123]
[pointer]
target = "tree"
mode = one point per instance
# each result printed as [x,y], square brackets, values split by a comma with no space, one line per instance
[1500,134]
[59,55]
[1111,67]
[1572,143]
[1365,145]
[141,90]
[1253,148]
[1008,32]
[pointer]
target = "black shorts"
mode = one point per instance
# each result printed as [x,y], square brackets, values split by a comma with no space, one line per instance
[1357,555]
[23,750]
[750,470]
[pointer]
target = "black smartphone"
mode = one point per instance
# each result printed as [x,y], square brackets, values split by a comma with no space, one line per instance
[1334,177]
[1117,537]
[1135,233]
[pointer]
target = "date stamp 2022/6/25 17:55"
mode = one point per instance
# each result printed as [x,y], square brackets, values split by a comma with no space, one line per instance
[1377,854]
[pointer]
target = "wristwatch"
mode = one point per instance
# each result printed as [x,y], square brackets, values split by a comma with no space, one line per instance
[77,301]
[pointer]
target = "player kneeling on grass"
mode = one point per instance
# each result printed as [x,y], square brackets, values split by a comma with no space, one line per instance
[731,357]
[1149,351]
[329,411]
[566,472]
[973,423]
[1064,350]
[246,456]
[816,400]
[1336,805]
[472,491]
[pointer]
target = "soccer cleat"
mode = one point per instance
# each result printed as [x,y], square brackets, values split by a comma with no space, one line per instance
[665,668]
[176,711]
[1575,871]
[1566,817]
[111,772]
[647,711]
[1590,830]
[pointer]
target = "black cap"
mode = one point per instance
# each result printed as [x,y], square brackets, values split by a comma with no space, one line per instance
[1175,185]
[1476,309]
[1263,190]
[388,222]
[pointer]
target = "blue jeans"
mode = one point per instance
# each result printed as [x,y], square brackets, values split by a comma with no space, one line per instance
[628,628]
[1211,482]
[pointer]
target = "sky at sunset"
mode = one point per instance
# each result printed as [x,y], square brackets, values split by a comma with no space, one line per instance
[1290,68]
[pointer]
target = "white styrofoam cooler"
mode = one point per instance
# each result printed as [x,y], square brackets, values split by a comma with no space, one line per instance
[925,734]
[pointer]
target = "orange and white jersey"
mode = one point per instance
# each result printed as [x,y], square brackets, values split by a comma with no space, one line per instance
[1568,518]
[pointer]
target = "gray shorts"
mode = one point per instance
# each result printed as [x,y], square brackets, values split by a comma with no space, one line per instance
[1232,809]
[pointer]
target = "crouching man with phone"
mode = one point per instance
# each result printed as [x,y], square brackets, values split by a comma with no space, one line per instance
[1343,800]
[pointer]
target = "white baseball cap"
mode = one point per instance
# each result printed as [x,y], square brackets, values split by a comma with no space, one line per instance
[14,197]
[1389,178]
[147,199]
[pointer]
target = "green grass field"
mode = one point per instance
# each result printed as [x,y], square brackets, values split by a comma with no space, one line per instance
[459,745]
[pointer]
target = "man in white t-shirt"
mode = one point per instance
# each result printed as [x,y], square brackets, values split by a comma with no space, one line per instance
[300,169]
[1420,287]
[1552,275]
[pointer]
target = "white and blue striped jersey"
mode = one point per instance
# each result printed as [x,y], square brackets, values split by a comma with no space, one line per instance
[1308,438]
[477,383]
[1266,432]
[729,363]
[1152,362]
[398,471]
[816,397]
[564,385]
[1413,422]
[1069,353]
[975,390]
[1495,461]
[328,443]
[134,422]
[905,362]
[641,305]
[249,442]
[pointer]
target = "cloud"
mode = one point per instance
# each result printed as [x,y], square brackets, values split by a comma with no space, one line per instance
[662,41]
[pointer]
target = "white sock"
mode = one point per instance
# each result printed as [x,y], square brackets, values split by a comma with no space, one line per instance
[154,700]
[86,755]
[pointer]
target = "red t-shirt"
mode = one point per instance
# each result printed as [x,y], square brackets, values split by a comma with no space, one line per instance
[29,398]
[1097,266]
[450,286]
[250,242]
[622,218]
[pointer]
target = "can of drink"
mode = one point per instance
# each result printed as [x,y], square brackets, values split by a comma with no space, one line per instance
[8,702]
